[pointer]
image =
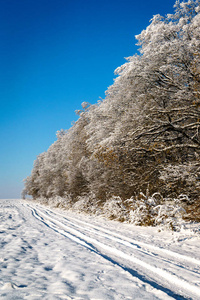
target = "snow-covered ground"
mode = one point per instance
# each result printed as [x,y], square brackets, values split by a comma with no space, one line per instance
[52,254]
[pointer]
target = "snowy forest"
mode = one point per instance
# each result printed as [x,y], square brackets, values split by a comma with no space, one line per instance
[135,155]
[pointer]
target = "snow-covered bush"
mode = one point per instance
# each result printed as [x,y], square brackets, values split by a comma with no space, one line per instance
[169,215]
[155,210]
[114,208]
[142,208]
[58,201]
[87,204]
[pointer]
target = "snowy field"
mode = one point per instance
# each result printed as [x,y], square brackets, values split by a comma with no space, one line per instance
[52,254]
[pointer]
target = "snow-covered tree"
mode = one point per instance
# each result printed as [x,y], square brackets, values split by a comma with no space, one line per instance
[144,134]
[157,96]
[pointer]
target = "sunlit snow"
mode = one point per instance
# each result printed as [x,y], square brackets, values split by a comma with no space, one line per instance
[54,254]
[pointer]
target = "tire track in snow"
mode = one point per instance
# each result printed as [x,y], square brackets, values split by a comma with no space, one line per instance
[155,289]
[165,262]
[124,240]
[178,284]
[51,224]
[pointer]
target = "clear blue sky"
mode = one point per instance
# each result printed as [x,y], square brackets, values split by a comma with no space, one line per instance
[55,54]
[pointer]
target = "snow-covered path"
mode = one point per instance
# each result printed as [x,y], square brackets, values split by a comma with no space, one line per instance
[52,254]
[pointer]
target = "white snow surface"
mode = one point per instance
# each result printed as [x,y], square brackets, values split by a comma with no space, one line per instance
[47,253]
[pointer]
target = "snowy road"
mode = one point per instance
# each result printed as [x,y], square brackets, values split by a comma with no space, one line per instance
[53,254]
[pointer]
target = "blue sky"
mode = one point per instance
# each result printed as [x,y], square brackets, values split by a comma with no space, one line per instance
[55,54]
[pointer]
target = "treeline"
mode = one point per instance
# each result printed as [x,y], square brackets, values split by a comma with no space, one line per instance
[144,136]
